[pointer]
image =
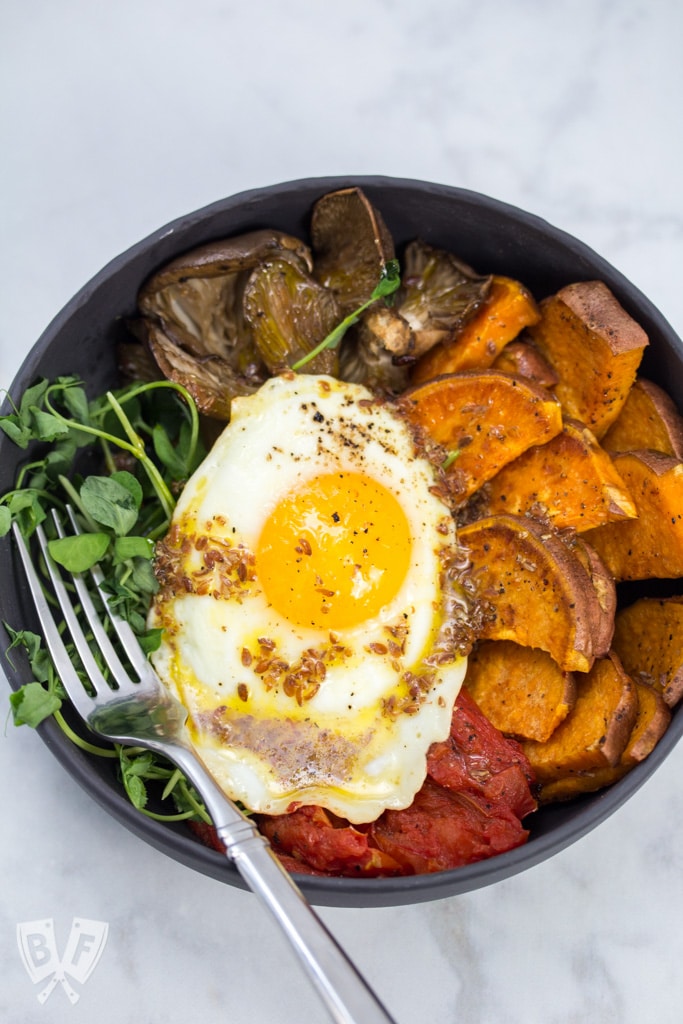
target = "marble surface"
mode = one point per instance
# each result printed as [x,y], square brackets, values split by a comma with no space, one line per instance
[116,118]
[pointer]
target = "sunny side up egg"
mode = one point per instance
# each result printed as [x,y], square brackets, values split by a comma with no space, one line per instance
[310,603]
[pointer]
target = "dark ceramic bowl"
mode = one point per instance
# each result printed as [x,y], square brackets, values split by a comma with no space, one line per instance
[490,236]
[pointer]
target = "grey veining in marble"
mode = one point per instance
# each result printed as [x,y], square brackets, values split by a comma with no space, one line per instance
[117,118]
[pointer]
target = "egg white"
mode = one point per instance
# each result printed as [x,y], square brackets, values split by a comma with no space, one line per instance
[357,743]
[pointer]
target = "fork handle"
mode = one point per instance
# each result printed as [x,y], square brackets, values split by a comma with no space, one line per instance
[344,991]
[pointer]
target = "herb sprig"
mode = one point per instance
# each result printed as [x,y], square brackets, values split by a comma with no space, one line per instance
[389,282]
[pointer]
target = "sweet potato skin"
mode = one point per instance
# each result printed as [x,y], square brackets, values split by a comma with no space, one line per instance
[651,723]
[605,592]
[521,359]
[570,480]
[534,590]
[595,348]
[594,735]
[648,637]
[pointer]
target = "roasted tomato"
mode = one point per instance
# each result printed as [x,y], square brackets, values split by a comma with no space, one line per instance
[313,836]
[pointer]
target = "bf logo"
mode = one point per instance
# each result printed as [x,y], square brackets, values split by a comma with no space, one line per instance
[38,948]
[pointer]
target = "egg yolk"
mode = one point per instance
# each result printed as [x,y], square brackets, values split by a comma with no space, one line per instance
[334,551]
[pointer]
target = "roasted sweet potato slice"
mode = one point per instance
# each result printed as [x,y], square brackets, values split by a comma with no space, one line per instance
[594,346]
[507,310]
[570,480]
[595,733]
[521,690]
[652,721]
[533,590]
[487,417]
[650,546]
[648,419]
[648,637]
[524,360]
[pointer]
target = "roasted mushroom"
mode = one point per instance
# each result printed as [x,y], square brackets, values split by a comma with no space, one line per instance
[378,351]
[192,316]
[211,381]
[200,292]
[289,314]
[351,246]
[439,293]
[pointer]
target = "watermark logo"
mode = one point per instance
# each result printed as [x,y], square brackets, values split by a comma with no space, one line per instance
[38,948]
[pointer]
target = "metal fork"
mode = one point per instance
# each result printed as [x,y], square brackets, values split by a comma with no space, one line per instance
[143,713]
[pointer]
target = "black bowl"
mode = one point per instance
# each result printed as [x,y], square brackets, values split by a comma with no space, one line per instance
[492,237]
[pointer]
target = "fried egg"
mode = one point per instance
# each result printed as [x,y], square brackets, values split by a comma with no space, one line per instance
[310,605]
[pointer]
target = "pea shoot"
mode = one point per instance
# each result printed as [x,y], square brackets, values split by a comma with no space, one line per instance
[389,282]
[142,443]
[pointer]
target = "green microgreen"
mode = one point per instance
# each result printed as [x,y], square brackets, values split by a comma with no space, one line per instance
[450,458]
[389,282]
[117,460]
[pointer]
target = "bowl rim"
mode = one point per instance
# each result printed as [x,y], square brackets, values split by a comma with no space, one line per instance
[322,890]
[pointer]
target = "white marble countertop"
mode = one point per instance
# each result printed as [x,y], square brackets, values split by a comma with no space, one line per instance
[116,118]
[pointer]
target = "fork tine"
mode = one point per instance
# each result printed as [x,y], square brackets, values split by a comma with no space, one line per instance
[118,670]
[129,641]
[55,645]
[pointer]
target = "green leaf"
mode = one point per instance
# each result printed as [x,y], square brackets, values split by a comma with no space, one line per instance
[131,484]
[47,427]
[32,704]
[110,503]
[76,402]
[144,578]
[32,643]
[136,790]
[5,520]
[167,454]
[79,553]
[32,396]
[150,640]
[133,547]
[17,431]
[389,281]
[26,507]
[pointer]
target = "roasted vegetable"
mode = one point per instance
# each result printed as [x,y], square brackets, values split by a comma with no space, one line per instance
[378,351]
[534,590]
[604,587]
[522,359]
[570,480]
[210,380]
[199,293]
[648,637]
[440,293]
[595,733]
[486,418]
[652,721]
[192,318]
[648,419]
[289,314]
[651,545]
[595,348]
[521,690]
[351,246]
[505,311]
